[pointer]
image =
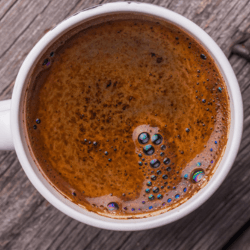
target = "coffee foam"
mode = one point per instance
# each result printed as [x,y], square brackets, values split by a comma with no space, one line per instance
[167,85]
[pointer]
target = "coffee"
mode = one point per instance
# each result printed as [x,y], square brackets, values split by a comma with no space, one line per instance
[127,117]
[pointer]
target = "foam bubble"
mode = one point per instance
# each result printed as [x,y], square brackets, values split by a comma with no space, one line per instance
[197,175]
[143,138]
[112,206]
[157,139]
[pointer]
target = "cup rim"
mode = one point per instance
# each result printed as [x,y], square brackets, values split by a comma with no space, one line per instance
[235,130]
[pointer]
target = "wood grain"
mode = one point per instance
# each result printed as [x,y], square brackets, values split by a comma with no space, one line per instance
[241,241]
[30,222]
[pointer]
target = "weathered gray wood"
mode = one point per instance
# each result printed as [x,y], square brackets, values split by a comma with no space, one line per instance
[30,222]
[242,242]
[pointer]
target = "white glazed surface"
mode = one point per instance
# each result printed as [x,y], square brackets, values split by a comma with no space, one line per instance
[93,219]
[5,130]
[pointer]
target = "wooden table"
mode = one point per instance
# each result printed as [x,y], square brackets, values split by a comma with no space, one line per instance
[28,221]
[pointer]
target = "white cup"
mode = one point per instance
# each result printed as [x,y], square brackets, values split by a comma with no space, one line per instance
[12,134]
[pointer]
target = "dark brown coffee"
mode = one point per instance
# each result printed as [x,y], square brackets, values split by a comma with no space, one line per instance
[127,118]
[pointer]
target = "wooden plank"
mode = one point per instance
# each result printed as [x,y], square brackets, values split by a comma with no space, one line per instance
[30,222]
[241,240]
[5,7]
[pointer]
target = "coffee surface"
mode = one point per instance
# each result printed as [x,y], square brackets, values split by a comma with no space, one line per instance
[128,118]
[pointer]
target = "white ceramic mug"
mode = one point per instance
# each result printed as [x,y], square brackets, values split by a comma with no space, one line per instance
[12,135]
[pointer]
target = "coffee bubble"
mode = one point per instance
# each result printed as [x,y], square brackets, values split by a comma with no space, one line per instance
[148,150]
[155,163]
[158,172]
[151,197]
[112,206]
[149,183]
[166,161]
[164,177]
[197,175]
[143,138]
[153,177]
[38,121]
[168,169]
[159,196]
[157,139]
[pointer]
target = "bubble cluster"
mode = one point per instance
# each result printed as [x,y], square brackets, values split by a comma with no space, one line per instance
[38,121]
[149,150]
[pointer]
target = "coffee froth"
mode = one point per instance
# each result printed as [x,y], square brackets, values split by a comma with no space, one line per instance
[128,118]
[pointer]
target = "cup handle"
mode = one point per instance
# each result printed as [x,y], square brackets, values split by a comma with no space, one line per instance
[6,141]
